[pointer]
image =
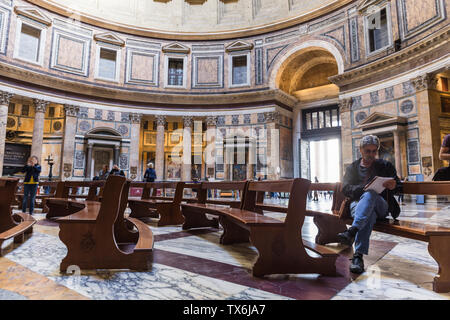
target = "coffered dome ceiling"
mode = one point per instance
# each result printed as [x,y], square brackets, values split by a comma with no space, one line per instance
[191,18]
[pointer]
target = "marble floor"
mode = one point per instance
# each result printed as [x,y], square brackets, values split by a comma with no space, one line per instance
[192,265]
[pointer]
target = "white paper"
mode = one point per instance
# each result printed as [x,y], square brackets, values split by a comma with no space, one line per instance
[377,184]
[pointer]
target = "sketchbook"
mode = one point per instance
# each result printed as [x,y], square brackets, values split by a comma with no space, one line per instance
[376,184]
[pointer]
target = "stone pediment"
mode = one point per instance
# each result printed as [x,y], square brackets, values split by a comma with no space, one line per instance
[33,13]
[366,6]
[176,48]
[379,120]
[239,46]
[109,37]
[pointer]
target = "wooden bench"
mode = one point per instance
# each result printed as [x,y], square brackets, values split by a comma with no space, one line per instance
[438,237]
[280,246]
[166,209]
[195,213]
[12,225]
[59,206]
[98,236]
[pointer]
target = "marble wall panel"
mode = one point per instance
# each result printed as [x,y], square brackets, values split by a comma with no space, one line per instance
[142,67]
[207,71]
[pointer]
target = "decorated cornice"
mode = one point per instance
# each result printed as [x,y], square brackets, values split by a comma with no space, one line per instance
[425,82]
[129,97]
[135,117]
[71,110]
[160,120]
[5,97]
[389,63]
[40,105]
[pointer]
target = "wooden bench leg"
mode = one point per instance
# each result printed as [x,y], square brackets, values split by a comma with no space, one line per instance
[232,233]
[279,253]
[139,210]
[329,226]
[195,219]
[169,215]
[19,238]
[439,249]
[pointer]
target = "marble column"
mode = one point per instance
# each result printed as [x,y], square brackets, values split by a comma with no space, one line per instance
[159,156]
[116,155]
[210,150]
[87,173]
[135,119]
[296,131]
[5,98]
[273,145]
[186,165]
[68,145]
[398,154]
[428,111]
[40,106]
[346,153]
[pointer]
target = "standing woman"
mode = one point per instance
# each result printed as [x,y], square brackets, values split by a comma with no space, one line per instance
[30,184]
[150,173]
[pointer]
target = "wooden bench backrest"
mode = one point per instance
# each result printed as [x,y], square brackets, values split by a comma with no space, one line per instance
[72,187]
[298,190]
[438,188]
[202,194]
[112,202]
[160,186]
[8,188]
[52,184]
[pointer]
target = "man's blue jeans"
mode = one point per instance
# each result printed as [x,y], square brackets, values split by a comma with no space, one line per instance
[365,212]
[29,192]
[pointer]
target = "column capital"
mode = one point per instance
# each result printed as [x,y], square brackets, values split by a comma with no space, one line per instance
[345,104]
[40,105]
[160,120]
[188,121]
[211,121]
[71,110]
[135,117]
[424,82]
[273,116]
[5,97]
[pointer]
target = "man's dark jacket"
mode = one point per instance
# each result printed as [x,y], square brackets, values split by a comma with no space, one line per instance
[381,168]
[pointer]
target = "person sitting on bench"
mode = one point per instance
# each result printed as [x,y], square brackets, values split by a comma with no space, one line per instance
[367,206]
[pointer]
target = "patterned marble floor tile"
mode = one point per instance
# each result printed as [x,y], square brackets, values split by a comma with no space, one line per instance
[42,254]
[26,284]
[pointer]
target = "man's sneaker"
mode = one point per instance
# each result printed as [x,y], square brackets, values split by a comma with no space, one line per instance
[357,265]
[346,238]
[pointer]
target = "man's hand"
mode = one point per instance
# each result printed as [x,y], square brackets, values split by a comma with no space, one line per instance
[390,184]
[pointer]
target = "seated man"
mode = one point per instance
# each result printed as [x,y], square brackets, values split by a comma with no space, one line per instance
[367,206]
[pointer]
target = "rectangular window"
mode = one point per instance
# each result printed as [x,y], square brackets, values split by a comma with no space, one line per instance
[321,120]
[51,112]
[239,70]
[107,64]
[328,119]
[29,43]
[145,125]
[25,110]
[378,30]
[175,72]
[175,125]
[12,108]
[314,121]
[334,118]
[444,82]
